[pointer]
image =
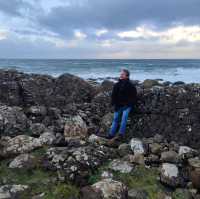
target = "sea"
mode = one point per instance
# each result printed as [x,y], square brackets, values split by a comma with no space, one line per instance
[186,70]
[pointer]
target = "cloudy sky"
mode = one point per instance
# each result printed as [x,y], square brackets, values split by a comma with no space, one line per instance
[100,29]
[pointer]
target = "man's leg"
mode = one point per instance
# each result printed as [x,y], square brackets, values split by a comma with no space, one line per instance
[115,123]
[125,114]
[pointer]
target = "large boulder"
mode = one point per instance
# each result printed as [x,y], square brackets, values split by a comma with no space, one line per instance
[13,191]
[20,144]
[170,175]
[71,89]
[32,89]
[75,127]
[77,163]
[23,161]
[194,170]
[111,189]
[137,146]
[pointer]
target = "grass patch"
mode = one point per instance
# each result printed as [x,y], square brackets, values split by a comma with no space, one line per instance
[39,181]
[139,178]
[144,178]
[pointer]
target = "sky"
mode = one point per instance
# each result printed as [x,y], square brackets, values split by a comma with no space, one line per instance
[100,29]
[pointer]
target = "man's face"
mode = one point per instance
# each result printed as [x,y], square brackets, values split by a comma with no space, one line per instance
[123,75]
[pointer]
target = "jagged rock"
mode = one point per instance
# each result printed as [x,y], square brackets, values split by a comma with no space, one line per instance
[169,174]
[137,194]
[37,111]
[169,156]
[13,191]
[111,189]
[75,164]
[186,152]
[121,166]
[75,127]
[137,146]
[106,123]
[20,144]
[13,121]
[47,138]
[37,129]
[25,161]
[32,89]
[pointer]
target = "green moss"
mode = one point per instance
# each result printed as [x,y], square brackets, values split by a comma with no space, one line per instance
[181,194]
[139,178]
[63,191]
[39,181]
[144,178]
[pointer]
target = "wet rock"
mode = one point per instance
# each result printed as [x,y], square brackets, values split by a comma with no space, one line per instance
[137,194]
[121,166]
[75,127]
[25,161]
[111,189]
[137,146]
[169,174]
[13,191]
[169,156]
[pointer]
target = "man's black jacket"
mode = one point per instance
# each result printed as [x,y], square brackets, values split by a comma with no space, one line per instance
[124,93]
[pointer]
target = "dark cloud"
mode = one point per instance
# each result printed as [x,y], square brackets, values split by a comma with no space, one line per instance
[120,14]
[14,7]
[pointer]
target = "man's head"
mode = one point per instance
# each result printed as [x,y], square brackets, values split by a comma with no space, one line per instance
[124,74]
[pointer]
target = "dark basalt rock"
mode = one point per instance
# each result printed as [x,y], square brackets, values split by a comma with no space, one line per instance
[172,110]
[21,89]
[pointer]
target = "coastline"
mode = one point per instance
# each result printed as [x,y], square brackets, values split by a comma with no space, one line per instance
[50,127]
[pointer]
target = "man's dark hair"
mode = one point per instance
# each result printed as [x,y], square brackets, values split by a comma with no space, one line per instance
[127,72]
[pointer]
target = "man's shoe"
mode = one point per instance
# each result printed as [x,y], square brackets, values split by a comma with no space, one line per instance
[120,138]
[108,136]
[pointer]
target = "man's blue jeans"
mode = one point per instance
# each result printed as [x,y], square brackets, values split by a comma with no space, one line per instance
[125,110]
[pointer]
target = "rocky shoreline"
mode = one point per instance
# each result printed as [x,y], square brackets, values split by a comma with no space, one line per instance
[49,131]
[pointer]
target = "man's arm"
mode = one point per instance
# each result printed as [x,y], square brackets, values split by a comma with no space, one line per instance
[113,95]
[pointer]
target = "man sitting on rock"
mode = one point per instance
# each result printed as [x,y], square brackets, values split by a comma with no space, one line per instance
[124,95]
